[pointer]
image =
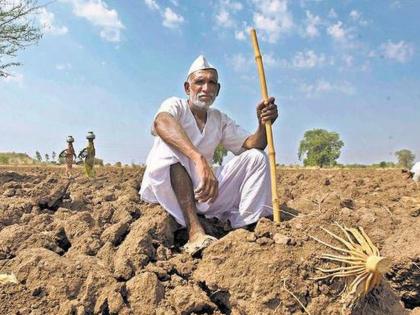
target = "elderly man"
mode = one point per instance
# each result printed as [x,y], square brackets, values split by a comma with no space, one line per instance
[179,175]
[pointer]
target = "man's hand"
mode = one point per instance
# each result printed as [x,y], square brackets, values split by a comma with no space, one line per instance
[267,112]
[208,188]
[169,129]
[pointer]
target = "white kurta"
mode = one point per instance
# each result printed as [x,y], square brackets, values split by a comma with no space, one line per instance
[416,170]
[244,182]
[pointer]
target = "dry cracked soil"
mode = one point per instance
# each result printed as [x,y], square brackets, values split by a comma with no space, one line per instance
[93,247]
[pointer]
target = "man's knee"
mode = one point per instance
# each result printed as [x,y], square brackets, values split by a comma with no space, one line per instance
[256,156]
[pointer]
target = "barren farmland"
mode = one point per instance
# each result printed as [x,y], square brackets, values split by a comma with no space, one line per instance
[92,247]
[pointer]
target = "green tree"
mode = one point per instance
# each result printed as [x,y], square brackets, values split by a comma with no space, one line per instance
[219,154]
[321,148]
[17,30]
[38,156]
[53,156]
[47,157]
[405,158]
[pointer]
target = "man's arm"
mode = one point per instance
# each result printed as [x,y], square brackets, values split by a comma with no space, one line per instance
[170,131]
[258,140]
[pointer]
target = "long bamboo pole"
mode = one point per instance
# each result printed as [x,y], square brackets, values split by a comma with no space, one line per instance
[268,129]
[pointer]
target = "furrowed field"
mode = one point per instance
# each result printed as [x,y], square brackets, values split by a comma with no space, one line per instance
[92,247]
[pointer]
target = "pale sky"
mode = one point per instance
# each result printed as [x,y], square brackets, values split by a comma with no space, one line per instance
[346,66]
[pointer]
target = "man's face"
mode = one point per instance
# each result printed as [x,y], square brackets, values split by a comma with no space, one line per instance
[202,88]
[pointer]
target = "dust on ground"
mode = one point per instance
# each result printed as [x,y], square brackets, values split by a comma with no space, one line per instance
[93,247]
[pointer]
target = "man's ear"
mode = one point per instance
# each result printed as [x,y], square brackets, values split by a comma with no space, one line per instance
[218,89]
[187,87]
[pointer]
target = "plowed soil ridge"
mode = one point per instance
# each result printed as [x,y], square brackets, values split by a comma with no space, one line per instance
[93,247]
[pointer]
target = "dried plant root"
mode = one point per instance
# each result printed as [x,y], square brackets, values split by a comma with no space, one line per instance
[363,262]
[295,297]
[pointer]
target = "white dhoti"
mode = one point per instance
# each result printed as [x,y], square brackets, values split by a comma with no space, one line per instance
[244,182]
[244,190]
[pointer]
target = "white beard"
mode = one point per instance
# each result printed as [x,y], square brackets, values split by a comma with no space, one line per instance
[201,104]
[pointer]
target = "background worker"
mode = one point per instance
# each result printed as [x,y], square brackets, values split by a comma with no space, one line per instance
[88,156]
[415,170]
[69,156]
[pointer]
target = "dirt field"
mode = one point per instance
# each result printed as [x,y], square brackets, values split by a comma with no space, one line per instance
[92,247]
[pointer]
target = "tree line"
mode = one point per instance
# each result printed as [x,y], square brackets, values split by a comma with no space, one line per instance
[38,157]
[322,148]
[55,159]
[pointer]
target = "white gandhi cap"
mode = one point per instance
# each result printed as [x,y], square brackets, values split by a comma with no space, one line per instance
[200,63]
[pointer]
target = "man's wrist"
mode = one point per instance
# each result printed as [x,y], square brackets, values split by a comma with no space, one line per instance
[196,157]
[261,128]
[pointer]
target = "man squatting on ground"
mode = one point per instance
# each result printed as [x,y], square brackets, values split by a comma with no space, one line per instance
[179,175]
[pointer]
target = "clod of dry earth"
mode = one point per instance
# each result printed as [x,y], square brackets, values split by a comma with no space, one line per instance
[92,247]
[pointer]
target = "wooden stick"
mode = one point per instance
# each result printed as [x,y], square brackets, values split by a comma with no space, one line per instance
[268,130]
